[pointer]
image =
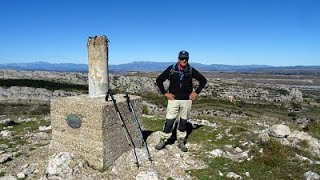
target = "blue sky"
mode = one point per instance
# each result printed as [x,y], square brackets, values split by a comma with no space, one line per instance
[238,32]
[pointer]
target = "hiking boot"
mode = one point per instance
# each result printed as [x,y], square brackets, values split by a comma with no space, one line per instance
[161,145]
[182,146]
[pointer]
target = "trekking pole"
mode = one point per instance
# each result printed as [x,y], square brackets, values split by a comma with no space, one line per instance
[138,124]
[129,139]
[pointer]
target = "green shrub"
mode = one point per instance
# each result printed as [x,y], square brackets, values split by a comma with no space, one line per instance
[314,129]
[145,110]
[304,144]
[296,105]
[283,92]
[237,130]
[292,114]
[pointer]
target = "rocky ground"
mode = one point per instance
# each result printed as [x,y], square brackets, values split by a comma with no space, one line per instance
[31,158]
[218,149]
[268,129]
[19,86]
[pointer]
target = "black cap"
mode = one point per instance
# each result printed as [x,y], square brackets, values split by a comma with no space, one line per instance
[183,54]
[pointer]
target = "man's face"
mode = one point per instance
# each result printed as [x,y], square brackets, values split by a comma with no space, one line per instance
[183,62]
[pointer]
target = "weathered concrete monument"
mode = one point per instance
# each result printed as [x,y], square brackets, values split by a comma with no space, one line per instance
[98,66]
[88,125]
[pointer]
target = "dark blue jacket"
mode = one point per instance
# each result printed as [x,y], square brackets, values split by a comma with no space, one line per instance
[181,81]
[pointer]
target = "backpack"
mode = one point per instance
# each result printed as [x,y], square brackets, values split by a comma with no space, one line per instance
[172,71]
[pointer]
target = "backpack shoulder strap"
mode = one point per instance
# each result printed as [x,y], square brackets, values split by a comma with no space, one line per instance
[171,71]
[172,68]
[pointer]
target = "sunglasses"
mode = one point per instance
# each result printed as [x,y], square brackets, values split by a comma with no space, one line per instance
[183,59]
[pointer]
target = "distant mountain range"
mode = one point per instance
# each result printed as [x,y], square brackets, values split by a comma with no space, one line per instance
[157,66]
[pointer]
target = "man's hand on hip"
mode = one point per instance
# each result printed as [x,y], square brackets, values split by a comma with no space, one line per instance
[169,96]
[193,96]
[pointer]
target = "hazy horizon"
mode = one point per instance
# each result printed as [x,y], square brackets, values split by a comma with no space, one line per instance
[157,62]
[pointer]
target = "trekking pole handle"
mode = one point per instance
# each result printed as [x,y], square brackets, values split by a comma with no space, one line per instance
[113,100]
[128,101]
[107,96]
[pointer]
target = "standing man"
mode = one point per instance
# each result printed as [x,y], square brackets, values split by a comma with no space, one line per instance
[180,96]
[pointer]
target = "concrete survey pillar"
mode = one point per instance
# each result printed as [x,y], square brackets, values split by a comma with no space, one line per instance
[88,125]
[98,65]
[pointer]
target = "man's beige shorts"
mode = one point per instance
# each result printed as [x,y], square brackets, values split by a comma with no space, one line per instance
[178,108]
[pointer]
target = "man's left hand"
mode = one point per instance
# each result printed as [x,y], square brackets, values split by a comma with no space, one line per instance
[193,95]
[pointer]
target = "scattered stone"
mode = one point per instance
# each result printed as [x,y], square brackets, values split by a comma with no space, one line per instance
[22,120]
[168,162]
[233,175]
[245,143]
[247,174]
[5,122]
[219,136]
[250,158]
[311,175]
[238,157]
[36,171]
[83,164]
[216,153]
[238,150]
[264,136]
[41,135]
[302,122]
[279,131]
[5,157]
[297,136]
[3,146]
[190,162]
[44,128]
[27,171]
[202,122]
[146,115]
[178,178]
[21,175]
[220,173]
[302,158]
[226,131]
[259,124]
[59,165]
[147,175]
[293,139]
[8,178]
[284,141]
[24,166]
[154,139]
[6,133]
